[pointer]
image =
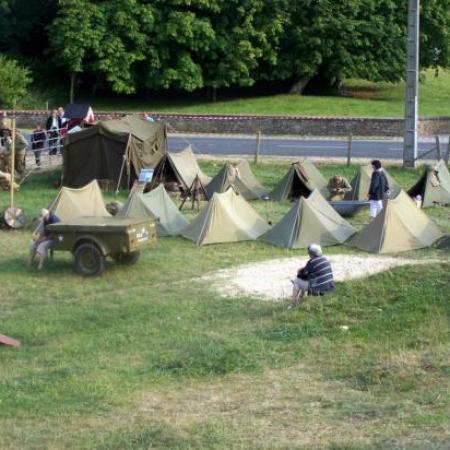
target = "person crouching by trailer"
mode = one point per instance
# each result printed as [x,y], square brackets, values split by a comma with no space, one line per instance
[43,243]
[316,278]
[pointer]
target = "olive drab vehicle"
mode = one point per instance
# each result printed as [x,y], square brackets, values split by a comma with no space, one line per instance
[92,239]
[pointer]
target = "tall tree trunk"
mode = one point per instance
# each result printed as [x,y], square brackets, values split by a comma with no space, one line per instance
[214,94]
[72,87]
[299,85]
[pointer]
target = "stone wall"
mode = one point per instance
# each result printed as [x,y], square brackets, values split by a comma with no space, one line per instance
[272,125]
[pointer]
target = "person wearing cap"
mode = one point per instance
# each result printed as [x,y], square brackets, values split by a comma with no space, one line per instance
[315,278]
[378,189]
[40,247]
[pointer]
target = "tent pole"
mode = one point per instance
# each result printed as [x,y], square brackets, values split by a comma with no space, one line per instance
[189,192]
[125,155]
[12,165]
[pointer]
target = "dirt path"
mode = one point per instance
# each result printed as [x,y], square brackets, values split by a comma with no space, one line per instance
[270,280]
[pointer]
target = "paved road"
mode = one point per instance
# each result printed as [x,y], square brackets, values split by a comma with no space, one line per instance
[274,146]
[382,149]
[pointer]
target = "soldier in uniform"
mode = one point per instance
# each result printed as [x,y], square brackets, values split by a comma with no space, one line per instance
[337,187]
[21,145]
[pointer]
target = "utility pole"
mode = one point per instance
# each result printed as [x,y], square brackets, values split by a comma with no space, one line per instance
[412,85]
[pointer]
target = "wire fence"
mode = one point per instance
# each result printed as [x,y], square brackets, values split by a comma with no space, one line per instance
[43,150]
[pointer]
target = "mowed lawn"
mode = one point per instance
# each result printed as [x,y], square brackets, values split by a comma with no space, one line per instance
[150,357]
[360,98]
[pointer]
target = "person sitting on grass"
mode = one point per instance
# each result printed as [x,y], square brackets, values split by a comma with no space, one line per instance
[39,247]
[316,278]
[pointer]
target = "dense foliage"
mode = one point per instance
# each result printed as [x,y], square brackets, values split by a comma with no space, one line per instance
[14,80]
[126,46]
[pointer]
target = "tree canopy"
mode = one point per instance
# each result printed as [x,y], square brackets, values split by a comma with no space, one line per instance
[127,46]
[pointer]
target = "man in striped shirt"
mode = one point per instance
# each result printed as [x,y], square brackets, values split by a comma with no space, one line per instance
[316,278]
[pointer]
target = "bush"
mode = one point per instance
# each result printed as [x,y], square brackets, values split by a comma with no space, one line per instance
[14,80]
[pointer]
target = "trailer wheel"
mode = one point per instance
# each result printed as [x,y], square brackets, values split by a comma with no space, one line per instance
[89,260]
[127,258]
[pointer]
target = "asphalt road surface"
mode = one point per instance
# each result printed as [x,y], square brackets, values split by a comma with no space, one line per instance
[282,146]
[273,146]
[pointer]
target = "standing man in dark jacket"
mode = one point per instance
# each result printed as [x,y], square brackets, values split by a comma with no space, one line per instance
[379,187]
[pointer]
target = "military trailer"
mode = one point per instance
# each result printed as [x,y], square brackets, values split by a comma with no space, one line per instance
[92,239]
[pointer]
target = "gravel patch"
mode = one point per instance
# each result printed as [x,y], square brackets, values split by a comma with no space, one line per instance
[271,280]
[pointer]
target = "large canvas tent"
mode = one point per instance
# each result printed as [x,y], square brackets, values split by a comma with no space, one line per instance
[241,178]
[98,152]
[399,227]
[87,201]
[180,168]
[301,179]
[310,220]
[227,218]
[158,205]
[433,186]
[361,183]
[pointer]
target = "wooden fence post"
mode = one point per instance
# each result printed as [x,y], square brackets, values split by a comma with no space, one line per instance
[258,147]
[447,153]
[438,148]
[349,150]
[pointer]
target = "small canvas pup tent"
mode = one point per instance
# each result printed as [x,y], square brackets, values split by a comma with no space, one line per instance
[99,152]
[87,201]
[399,227]
[158,205]
[443,243]
[241,178]
[309,220]
[301,179]
[361,183]
[433,186]
[226,218]
[180,168]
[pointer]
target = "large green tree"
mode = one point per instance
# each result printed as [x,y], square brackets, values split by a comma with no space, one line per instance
[104,39]
[14,80]
[180,35]
[130,45]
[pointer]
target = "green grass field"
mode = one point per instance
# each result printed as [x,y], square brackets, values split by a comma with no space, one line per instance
[150,357]
[360,99]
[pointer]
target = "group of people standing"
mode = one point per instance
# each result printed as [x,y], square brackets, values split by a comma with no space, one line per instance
[51,138]
[55,131]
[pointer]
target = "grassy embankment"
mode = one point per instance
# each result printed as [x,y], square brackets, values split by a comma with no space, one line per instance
[360,98]
[150,357]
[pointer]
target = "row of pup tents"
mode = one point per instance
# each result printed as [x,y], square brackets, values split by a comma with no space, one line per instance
[178,171]
[228,217]
[300,180]
[117,150]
